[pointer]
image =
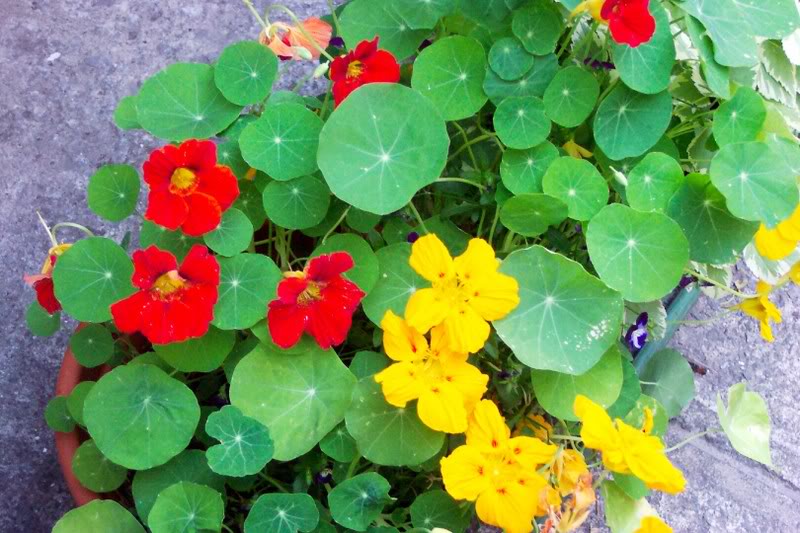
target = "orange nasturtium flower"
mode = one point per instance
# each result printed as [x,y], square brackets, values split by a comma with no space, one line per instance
[446,386]
[653,524]
[290,42]
[465,292]
[497,472]
[42,283]
[762,309]
[778,243]
[626,449]
[575,150]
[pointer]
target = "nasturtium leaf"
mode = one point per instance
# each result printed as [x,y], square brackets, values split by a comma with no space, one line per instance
[98,516]
[232,132]
[368,363]
[381,145]
[358,501]
[423,14]
[283,142]
[436,508]
[300,397]
[182,102]
[531,214]
[339,445]
[627,123]
[566,319]
[571,96]
[718,77]
[483,11]
[41,323]
[397,281]
[631,485]
[92,345]
[365,270]
[636,416]
[175,242]
[113,191]
[139,417]
[746,422]
[578,184]
[629,393]
[125,114]
[454,238]
[77,399]
[647,68]
[230,155]
[233,235]
[715,236]
[623,513]
[509,59]
[538,27]
[282,513]
[247,284]
[534,83]
[756,183]
[57,416]
[653,181]
[642,255]
[90,276]
[95,471]
[190,465]
[186,506]
[740,119]
[669,379]
[245,72]
[522,170]
[202,354]
[521,122]
[361,221]
[251,203]
[387,434]
[331,221]
[556,392]
[297,204]
[366,19]
[450,73]
[246,446]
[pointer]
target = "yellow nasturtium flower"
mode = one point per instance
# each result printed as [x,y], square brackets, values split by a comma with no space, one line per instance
[568,468]
[794,274]
[594,7]
[627,450]
[497,471]
[446,386]
[653,524]
[465,292]
[778,243]
[575,150]
[762,309]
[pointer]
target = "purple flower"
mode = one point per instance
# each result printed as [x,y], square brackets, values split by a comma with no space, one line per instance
[324,476]
[578,228]
[595,64]
[636,337]
[412,237]
[337,41]
[686,281]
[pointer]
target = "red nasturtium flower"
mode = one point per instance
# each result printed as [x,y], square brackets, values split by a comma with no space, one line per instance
[317,300]
[174,303]
[630,21]
[365,64]
[188,189]
[43,283]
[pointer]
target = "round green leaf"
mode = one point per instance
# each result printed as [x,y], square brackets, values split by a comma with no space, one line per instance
[98,516]
[636,416]
[715,236]
[397,281]
[522,170]
[381,145]
[40,323]
[366,364]
[297,204]
[627,123]
[113,192]
[233,235]
[339,445]
[202,354]
[531,214]
[186,506]
[566,318]
[509,59]
[746,422]
[361,221]
[521,123]
[450,73]
[247,284]
[245,448]
[358,501]
[436,508]
[283,142]
[95,471]
[230,155]
[571,96]
[92,345]
[90,276]
[647,68]
[629,393]
[755,182]
[57,416]
[423,14]
[485,11]
[364,20]
[577,183]
[556,392]
[642,255]
[668,378]
[533,83]
[250,202]
[365,272]
[653,181]
[282,513]
[182,102]
[299,397]
[739,119]
[245,72]
[386,434]
[139,417]
[77,399]
[175,242]
[189,465]
[125,114]
[538,27]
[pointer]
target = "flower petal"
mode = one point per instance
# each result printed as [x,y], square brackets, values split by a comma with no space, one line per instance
[401,342]
[219,183]
[487,428]
[204,215]
[426,308]
[465,473]
[466,330]
[400,383]
[431,260]
[166,209]
[149,264]
[286,322]
[441,407]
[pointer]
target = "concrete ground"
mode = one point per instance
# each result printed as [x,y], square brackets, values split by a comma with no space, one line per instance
[65,63]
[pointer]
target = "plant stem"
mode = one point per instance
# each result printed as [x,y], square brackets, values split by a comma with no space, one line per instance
[60,225]
[466,145]
[274,482]
[50,235]
[341,219]
[417,216]
[335,17]
[352,468]
[494,224]
[690,438]
[462,180]
[466,140]
[253,10]
[719,285]
[566,437]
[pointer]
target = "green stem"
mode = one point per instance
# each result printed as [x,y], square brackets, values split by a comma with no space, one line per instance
[274,482]
[466,145]
[352,468]
[335,17]
[60,225]
[341,219]
[265,241]
[719,285]
[466,140]
[462,180]
[494,224]
[253,10]
[50,235]
[417,216]
[566,437]
[690,438]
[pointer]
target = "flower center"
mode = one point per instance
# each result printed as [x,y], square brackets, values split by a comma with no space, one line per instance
[312,293]
[183,180]
[355,69]
[167,284]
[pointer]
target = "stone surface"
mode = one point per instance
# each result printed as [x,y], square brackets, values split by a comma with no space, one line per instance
[65,63]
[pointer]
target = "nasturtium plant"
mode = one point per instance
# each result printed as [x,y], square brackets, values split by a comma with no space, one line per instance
[439,291]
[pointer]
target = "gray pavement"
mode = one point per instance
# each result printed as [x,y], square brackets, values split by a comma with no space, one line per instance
[63,66]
